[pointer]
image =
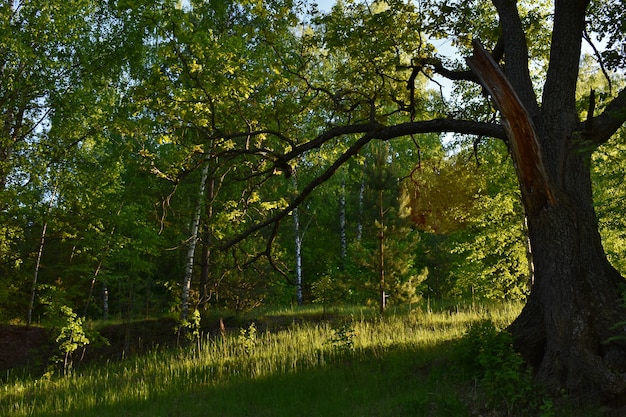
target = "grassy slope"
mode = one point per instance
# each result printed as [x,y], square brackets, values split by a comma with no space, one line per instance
[400,366]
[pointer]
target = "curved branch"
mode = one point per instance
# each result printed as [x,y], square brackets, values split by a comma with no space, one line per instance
[611,119]
[453,75]
[465,127]
[376,132]
[599,59]
[329,135]
[325,176]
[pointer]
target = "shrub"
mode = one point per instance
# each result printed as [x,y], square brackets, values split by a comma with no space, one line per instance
[488,354]
[71,336]
[247,339]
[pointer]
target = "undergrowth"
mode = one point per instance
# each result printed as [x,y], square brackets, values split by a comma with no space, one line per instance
[414,363]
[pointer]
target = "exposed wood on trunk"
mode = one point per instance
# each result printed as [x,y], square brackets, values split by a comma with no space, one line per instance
[536,189]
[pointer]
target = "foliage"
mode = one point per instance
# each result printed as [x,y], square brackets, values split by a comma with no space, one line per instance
[247,339]
[71,337]
[488,354]
[342,339]
[494,251]
[469,207]
[327,291]
[395,369]
[190,328]
[109,109]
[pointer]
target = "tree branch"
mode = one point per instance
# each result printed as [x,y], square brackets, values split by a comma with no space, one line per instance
[515,49]
[373,131]
[606,124]
[325,176]
[562,74]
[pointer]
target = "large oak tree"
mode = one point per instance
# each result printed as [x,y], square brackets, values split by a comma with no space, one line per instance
[263,97]
[571,330]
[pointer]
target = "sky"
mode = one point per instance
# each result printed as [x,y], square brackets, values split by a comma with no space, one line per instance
[325,5]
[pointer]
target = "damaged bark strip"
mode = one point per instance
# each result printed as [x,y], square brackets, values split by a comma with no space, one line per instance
[536,190]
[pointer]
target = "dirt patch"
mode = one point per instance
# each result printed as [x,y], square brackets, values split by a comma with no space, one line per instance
[33,348]
[24,347]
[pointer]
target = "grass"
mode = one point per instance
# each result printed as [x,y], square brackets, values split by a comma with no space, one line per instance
[356,365]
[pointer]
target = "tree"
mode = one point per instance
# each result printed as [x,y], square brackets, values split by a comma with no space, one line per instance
[62,70]
[569,329]
[383,258]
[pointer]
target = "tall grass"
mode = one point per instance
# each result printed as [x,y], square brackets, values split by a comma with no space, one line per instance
[355,365]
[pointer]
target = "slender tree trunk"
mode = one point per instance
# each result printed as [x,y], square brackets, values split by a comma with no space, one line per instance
[42,242]
[91,287]
[298,236]
[33,292]
[207,243]
[342,224]
[381,254]
[359,227]
[298,248]
[105,302]
[191,249]
[107,248]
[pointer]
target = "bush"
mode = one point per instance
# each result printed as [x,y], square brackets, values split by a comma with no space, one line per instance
[71,337]
[488,354]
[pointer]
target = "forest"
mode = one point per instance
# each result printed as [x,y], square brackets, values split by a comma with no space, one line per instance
[375,168]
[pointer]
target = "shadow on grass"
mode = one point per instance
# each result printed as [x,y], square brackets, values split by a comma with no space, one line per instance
[402,382]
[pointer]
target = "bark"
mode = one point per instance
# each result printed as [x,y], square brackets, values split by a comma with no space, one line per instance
[572,328]
[298,245]
[298,236]
[105,302]
[191,250]
[33,292]
[343,233]
[523,143]
[359,227]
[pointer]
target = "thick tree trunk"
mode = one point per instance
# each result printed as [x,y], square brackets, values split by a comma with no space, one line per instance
[573,327]
[571,330]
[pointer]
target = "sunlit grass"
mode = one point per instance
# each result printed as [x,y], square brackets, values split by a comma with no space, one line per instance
[307,368]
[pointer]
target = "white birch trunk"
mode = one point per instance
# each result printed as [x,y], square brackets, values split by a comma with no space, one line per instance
[31,304]
[381,256]
[191,250]
[42,241]
[105,302]
[298,243]
[298,246]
